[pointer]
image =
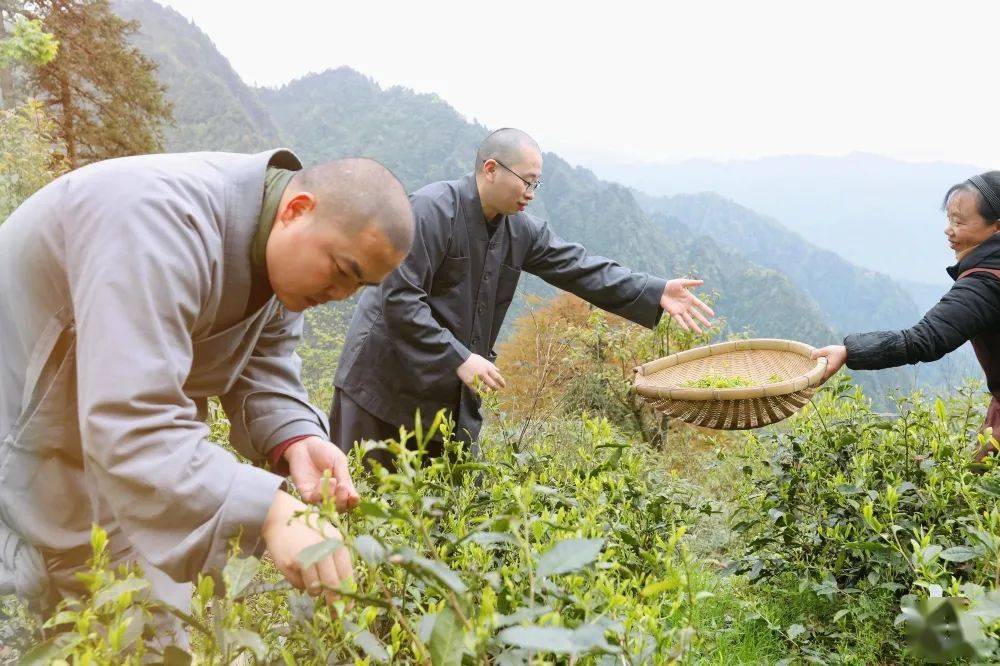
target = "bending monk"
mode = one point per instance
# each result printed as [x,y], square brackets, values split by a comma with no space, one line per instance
[133,291]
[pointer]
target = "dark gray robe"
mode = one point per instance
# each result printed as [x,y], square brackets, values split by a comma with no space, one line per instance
[448,300]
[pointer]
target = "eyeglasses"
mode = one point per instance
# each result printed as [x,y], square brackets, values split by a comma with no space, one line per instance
[528,186]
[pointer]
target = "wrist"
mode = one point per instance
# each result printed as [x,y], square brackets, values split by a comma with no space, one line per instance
[280,512]
[277,458]
[293,447]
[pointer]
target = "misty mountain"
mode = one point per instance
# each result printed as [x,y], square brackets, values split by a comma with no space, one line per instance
[341,112]
[876,212]
[851,298]
[214,109]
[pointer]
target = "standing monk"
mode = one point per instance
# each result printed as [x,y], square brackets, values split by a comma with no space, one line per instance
[135,289]
[424,338]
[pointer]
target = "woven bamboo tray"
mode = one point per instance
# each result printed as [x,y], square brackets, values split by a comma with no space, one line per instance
[661,383]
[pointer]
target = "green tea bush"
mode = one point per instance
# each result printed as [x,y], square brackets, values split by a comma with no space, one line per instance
[572,549]
[858,511]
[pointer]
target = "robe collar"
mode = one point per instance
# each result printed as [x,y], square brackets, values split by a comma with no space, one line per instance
[472,206]
[244,200]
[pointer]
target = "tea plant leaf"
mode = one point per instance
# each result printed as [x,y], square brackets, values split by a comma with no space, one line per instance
[447,639]
[372,510]
[244,639]
[795,631]
[549,639]
[569,555]
[871,546]
[557,640]
[135,620]
[522,615]
[62,617]
[174,656]
[51,650]
[492,538]
[990,486]
[370,550]
[440,572]
[959,554]
[118,589]
[301,606]
[426,626]
[366,640]
[318,551]
[670,583]
[238,573]
[590,637]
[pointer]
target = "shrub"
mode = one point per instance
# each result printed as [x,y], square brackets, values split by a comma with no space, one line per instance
[856,510]
[571,548]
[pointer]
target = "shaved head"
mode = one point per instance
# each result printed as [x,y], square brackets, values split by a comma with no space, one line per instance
[358,193]
[506,145]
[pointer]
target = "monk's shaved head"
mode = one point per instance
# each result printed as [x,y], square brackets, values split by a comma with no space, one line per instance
[358,192]
[506,145]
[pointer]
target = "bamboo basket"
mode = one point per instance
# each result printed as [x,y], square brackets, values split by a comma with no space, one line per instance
[661,383]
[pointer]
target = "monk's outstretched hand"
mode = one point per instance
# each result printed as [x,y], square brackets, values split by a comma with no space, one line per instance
[308,459]
[684,307]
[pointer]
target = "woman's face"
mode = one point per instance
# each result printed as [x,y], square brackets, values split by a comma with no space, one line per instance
[966,228]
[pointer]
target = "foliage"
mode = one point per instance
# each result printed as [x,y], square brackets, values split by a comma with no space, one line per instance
[719,381]
[28,43]
[567,543]
[567,357]
[572,548]
[857,509]
[111,624]
[28,158]
[102,92]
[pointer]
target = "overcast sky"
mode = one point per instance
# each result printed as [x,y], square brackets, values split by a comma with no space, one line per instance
[658,81]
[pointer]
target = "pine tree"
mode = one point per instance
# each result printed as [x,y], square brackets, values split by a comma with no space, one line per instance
[101,91]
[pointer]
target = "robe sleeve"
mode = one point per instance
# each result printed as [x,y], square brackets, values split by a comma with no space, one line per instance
[137,285]
[603,282]
[970,307]
[415,332]
[268,404]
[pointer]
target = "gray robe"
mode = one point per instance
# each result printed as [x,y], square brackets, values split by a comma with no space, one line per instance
[123,290]
[448,300]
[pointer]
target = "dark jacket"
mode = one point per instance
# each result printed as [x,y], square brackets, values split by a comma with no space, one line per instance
[449,297]
[970,309]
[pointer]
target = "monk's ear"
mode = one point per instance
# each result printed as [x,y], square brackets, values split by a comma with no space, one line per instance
[490,169]
[299,205]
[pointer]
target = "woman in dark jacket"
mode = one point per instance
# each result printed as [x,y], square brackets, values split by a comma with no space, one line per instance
[969,311]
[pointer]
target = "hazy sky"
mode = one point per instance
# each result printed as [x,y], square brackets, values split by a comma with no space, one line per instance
[658,80]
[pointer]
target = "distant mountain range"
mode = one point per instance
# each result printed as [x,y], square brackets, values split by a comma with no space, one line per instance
[770,281]
[877,212]
[850,297]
